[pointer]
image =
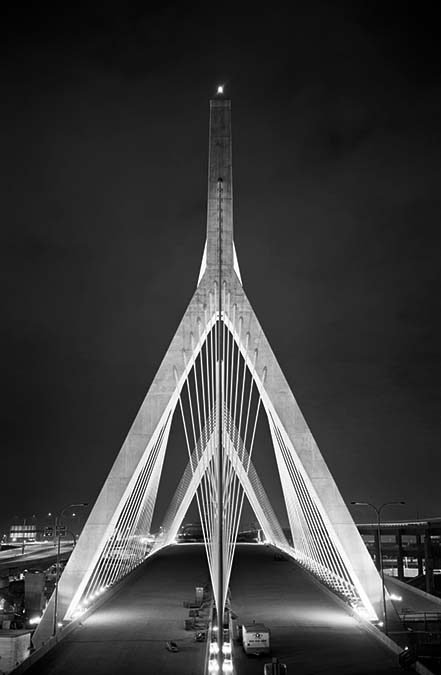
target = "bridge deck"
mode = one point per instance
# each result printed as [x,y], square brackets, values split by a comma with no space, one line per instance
[127,635]
[310,631]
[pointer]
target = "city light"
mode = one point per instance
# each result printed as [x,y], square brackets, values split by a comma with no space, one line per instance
[363,612]
[35,620]
[78,612]
[220,89]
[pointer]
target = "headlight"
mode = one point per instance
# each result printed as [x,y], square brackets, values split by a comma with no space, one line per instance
[213,666]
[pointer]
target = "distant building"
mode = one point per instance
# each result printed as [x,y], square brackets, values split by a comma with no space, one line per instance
[22,532]
[191,532]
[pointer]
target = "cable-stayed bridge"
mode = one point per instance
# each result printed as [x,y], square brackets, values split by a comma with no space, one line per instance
[219,379]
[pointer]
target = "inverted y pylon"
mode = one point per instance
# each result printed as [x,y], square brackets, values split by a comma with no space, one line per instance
[221,360]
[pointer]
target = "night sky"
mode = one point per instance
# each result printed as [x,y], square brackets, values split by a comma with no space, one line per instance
[336,162]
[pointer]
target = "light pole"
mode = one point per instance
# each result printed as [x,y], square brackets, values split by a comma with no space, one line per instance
[74,537]
[378,511]
[24,537]
[57,573]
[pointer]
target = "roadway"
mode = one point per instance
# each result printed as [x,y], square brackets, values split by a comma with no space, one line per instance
[412,600]
[311,632]
[127,635]
[12,561]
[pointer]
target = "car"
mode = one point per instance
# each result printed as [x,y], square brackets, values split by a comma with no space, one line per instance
[171,646]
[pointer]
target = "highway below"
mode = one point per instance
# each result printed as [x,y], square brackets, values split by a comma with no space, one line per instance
[310,630]
[13,561]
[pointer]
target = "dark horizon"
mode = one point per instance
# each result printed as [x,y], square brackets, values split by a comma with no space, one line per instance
[336,165]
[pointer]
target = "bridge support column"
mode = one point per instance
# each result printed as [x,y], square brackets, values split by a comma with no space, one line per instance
[428,555]
[399,542]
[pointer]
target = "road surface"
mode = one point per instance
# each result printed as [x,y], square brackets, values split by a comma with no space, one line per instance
[311,632]
[13,561]
[127,635]
[412,600]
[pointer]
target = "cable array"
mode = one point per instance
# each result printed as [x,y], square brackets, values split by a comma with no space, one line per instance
[128,542]
[238,459]
[220,391]
[313,544]
[206,404]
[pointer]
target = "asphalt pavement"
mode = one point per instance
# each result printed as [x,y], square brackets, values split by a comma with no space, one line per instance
[311,632]
[13,561]
[127,635]
[412,600]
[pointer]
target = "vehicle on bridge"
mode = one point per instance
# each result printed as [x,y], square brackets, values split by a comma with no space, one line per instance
[171,646]
[256,639]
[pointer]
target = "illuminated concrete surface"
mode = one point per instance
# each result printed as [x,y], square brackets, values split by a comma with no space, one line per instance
[127,634]
[310,631]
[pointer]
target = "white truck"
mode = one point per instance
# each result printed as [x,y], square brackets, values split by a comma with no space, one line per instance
[256,638]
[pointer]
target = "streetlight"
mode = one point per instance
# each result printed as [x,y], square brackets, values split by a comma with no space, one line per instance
[24,536]
[57,534]
[378,511]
